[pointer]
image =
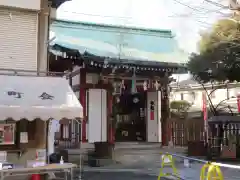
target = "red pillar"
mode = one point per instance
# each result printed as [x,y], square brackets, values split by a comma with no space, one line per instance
[238,102]
[83,102]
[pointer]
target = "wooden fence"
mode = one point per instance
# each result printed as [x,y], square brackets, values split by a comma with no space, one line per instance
[181,131]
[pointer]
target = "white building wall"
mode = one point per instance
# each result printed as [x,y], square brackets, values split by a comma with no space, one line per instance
[24,4]
[216,97]
[24,34]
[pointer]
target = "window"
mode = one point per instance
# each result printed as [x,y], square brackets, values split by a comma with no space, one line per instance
[7,134]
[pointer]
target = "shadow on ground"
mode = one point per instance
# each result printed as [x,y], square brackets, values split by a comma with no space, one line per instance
[117,176]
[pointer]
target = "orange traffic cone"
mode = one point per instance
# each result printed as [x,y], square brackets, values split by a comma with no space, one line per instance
[35,176]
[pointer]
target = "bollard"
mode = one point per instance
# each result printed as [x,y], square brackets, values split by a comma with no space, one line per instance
[204,171]
[167,160]
[186,163]
[214,173]
[210,171]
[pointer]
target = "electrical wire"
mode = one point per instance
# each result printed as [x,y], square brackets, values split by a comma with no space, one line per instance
[126,18]
[217,4]
[201,10]
[99,15]
[196,12]
[204,23]
[195,9]
[130,18]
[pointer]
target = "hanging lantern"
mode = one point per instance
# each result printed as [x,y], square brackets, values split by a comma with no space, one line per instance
[157,85]
[118,99]
[149,84]
[145,85]
[114,88]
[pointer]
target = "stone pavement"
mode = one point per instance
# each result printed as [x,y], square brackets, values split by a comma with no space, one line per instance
[193,172]
[149,160]
[145,162]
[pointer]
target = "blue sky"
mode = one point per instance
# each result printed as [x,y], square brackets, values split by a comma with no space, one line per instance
[186,18]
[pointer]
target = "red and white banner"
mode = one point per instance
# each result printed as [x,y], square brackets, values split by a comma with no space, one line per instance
[238,102]
[204,106]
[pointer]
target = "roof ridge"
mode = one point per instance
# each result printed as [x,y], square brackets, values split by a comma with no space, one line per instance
[149,30]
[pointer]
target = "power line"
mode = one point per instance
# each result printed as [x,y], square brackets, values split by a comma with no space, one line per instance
[217,4]
[127,18]
[200,10]
[197,10]
[100,15]
[190,7]
[206,24]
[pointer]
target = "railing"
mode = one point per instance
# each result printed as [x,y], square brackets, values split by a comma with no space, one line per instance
[206,171]
[18,72]
[69,136]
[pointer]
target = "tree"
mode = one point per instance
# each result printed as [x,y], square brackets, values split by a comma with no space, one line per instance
[180,107]
[219,53]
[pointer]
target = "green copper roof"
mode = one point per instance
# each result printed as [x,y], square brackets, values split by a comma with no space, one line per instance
[119,42]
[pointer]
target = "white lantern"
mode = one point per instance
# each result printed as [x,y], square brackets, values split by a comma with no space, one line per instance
[157,85]
[145,85]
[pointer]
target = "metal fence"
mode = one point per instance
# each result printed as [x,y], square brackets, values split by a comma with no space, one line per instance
[69,135]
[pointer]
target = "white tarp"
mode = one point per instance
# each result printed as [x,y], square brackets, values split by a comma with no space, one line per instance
[24,97]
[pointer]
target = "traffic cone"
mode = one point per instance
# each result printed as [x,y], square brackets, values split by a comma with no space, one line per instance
[35,176]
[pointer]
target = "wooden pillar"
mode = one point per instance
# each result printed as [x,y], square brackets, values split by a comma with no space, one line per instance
[111,137]
[83,103]
[165,111]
